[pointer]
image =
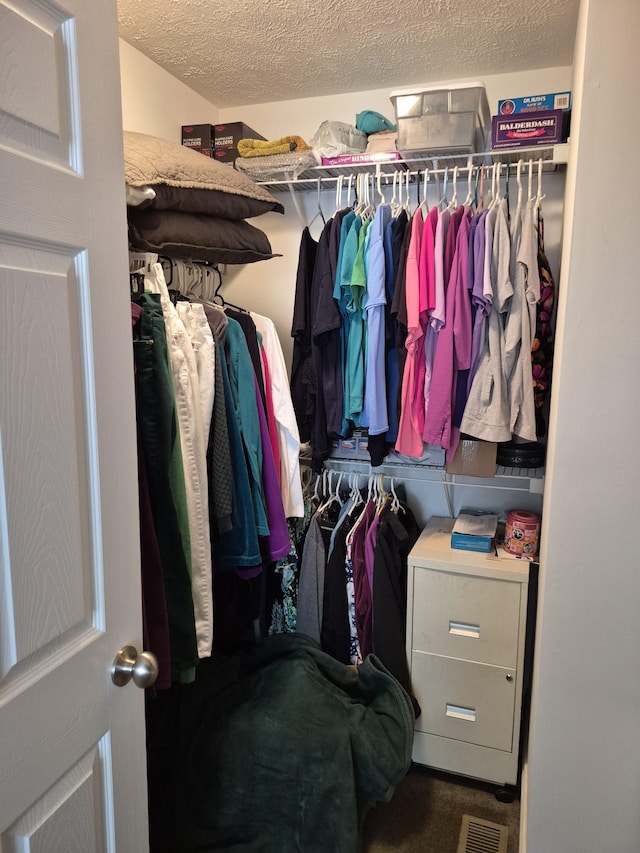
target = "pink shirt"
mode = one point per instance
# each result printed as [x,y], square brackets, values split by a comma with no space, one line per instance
[442,228]
[453,351]
[409,439]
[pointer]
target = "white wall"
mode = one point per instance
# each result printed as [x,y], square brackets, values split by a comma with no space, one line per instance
[154,102]
[584,757]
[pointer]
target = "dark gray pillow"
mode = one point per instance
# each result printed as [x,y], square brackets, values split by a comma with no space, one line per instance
[196,237]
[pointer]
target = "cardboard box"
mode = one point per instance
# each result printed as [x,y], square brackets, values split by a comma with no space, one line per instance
[199,137]
[474,458]
[226,138]
[536,103]
[527,129]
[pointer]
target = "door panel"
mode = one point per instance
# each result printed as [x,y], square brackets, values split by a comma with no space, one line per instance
[48,582]
[68,817]
[72,745]
[39,103]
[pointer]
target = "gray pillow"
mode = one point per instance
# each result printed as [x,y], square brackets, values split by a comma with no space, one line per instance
[188,181]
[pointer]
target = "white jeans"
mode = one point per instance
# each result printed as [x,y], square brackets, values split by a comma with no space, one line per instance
[193,444]
[195,322]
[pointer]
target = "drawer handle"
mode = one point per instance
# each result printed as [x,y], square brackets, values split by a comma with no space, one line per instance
[461,713]
[464,629]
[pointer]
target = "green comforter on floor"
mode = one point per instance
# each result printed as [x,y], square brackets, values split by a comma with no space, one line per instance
[288,749]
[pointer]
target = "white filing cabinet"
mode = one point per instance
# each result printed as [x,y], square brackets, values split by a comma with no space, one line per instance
[466,630]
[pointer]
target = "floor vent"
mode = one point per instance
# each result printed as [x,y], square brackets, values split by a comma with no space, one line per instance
[482,836]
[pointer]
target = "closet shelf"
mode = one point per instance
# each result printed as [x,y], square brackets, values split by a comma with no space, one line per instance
[553,157]
[513,479]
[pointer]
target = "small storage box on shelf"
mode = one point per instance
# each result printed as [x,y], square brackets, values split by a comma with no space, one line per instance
[446,120]
[466,631]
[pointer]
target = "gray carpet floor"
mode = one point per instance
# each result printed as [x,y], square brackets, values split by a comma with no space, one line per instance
[425,814]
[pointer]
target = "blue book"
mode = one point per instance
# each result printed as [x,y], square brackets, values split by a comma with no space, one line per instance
[468,542]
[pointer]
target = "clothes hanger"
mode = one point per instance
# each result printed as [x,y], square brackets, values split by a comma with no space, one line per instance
[506,188]
[539,194]
[400,187]
[350,204]
[359,203]
[469,199]
[319,212]
[396,506]
[424,204]
[530,185]
[478,191]
[490,185]
[334,493]
[445,181]
[379,185]
[365,196]
[454,192]
[355,491]
[519,184]
[394,194]
[339,185]
[495,185]
[368,208]
[357,495]
[407,203]
[316,492]
[382,495]
[224,303]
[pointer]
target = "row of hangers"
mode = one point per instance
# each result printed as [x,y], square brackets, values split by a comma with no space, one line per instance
[184,279]
[328,489]
[369,191]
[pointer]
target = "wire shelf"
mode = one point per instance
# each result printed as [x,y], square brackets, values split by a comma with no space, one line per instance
[553,158]
[530,479]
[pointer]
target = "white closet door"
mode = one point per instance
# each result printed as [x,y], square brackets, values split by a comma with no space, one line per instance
[72,753]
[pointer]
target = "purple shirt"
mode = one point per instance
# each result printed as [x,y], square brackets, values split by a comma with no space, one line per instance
[480,302]
[277,542]
[363,595]
[370,547]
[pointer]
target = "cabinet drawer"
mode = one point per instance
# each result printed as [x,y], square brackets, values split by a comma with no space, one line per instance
[464,701]
[467,617]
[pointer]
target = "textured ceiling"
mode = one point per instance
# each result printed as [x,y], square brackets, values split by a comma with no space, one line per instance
[236,52]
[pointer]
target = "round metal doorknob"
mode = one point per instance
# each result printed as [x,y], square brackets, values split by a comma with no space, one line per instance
[128,664]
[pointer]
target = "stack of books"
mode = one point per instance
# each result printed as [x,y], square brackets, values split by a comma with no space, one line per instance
[475,530]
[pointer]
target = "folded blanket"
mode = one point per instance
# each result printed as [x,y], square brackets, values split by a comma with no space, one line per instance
[260,148]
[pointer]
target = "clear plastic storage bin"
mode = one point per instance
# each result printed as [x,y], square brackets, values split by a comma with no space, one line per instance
[444,119]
